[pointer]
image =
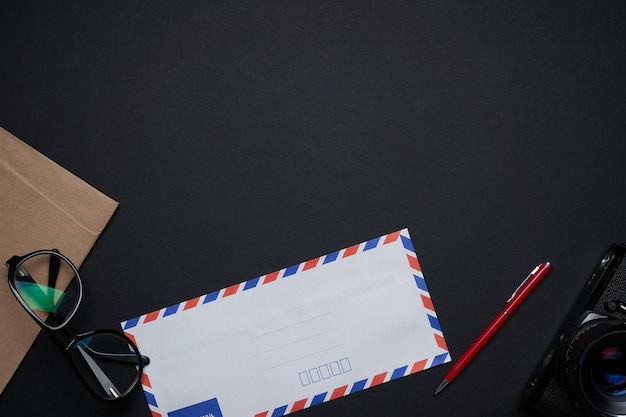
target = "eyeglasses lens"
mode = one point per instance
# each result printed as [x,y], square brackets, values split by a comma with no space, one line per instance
[108,363]
[48,286]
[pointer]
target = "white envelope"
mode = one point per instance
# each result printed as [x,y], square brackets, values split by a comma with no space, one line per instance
[295,338]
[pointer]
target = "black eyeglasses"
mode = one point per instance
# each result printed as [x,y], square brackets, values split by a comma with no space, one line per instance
[48,286]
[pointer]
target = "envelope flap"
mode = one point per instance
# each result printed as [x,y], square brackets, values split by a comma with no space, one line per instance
[71,195]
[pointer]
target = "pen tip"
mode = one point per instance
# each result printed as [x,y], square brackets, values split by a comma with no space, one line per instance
[441,386]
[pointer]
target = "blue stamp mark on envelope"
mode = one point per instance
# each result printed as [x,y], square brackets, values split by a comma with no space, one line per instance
[209,408]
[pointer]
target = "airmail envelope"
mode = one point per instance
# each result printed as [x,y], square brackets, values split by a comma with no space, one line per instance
[294,338]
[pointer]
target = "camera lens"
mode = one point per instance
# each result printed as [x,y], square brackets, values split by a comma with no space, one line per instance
[608,371]
[596,367]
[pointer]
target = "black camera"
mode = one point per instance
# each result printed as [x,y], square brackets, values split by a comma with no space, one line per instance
[583,372]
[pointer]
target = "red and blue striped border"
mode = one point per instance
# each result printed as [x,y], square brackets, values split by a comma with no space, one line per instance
[402,235]
[354,387]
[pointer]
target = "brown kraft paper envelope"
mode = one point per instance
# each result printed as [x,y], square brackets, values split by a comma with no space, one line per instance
[42,206]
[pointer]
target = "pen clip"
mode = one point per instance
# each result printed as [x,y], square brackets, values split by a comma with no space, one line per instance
[533,272]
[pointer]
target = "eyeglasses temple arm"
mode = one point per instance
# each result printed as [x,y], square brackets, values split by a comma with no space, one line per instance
[24,275]
[121,357]
[53,271]
[104,381]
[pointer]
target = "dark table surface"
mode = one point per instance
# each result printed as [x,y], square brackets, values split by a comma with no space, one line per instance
[241,137]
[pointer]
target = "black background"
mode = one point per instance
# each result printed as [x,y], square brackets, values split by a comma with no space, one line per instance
[241,137]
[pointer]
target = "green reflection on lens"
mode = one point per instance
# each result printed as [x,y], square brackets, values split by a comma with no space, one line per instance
[40,297]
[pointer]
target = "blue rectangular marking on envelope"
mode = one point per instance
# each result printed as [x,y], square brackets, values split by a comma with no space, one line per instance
[208,408]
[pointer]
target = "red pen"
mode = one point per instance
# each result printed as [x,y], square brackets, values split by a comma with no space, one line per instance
[519,295]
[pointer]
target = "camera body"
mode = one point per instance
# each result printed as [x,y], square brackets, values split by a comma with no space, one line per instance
[583,372]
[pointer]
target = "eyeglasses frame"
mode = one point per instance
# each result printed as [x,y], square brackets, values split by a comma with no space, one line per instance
[13,263]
